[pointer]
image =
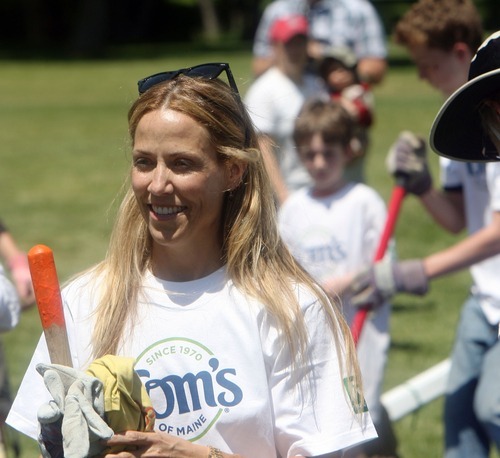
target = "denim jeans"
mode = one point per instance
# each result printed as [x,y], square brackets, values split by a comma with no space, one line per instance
[472,403]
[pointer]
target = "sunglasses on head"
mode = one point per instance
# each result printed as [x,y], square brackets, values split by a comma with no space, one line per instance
[207,71]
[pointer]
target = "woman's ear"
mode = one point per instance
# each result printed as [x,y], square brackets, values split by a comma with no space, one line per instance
[462,51]
[236,171]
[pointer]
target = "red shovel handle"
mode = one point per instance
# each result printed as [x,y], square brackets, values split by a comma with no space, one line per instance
[398,194]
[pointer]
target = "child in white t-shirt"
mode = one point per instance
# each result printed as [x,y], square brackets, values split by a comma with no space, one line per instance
[332,228]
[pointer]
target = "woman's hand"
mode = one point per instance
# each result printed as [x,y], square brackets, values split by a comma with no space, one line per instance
[154,445]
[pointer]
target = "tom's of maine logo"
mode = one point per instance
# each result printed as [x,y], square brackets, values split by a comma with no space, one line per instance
[189,388]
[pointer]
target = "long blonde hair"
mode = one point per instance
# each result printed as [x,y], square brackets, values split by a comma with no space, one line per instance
[256,258]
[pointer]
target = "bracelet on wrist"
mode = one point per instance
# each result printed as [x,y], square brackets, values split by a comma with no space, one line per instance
[214,452]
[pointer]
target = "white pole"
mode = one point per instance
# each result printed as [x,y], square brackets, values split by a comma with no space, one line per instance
[417,391]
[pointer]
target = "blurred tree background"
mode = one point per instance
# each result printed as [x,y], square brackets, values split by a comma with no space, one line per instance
[93,28]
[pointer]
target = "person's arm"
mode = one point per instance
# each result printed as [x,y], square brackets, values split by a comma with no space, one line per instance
[336,286]
[372,69]
[446,209]
[17,263]
[163,444]
[371,46]
[407,159]
[263,57]
[377,283]
[8,247]
[477,247]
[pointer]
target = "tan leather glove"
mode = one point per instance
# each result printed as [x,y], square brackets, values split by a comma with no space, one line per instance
[407,160]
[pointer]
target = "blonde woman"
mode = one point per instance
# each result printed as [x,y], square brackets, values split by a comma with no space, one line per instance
[240,351]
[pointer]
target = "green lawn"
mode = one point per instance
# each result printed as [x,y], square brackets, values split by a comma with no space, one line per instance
[64,153]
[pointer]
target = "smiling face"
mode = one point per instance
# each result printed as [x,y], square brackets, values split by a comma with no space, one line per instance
[179,183]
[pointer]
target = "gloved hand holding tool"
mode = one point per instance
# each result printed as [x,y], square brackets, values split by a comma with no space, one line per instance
[379,282]
[72,423]
[75,422]
[77,409]
[407,162]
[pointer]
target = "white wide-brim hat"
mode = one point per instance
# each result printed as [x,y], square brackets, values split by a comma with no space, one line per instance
[457,132]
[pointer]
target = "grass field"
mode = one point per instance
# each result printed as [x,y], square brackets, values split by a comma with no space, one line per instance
[64,154]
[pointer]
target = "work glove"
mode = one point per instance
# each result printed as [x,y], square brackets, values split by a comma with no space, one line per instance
[407,161]
[373,286]
[72,423]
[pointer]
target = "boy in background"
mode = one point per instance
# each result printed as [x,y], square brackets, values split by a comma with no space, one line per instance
[442,37]
[332,227]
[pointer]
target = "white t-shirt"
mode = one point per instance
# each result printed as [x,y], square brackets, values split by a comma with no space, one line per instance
[334,236]
[273,102]
[10,308]
[480,184]
[217,371]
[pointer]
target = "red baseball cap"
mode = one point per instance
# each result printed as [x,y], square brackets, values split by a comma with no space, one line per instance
[285,28]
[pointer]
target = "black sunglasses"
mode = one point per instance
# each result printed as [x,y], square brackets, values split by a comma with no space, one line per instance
[207,71]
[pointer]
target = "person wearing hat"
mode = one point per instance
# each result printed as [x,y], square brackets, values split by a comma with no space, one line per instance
[275,99]
[350,23]
[465,129]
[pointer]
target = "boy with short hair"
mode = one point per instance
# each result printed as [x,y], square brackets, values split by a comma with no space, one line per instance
[442,37]
[332,227]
